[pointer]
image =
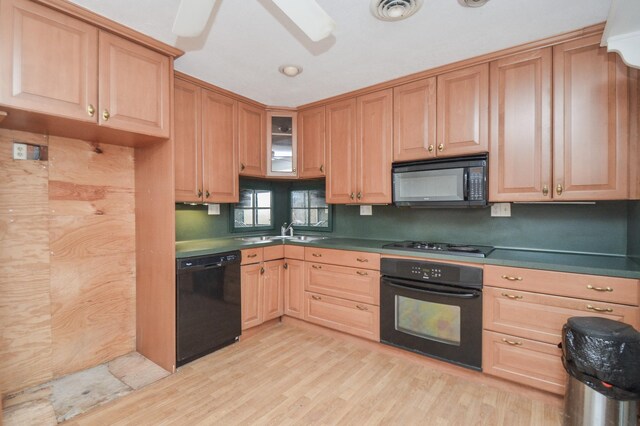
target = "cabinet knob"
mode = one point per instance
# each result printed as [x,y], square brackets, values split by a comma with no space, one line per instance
[359,196]
[241,166]
[106,115]
[91,110]
[430,149]
[261,271]
[545,190]
[321,168]
[441,147]
[285,266]
[352,195]
[207,194]
[559,189]
[199,193]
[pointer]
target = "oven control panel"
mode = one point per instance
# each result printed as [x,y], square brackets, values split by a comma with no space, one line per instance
[426,273]
[439,273]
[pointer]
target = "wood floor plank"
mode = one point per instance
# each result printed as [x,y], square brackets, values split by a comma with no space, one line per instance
[293,375]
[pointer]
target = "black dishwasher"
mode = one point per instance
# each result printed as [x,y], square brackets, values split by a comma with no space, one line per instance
[208,315]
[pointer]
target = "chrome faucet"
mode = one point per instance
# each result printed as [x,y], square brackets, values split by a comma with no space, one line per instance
[284,229]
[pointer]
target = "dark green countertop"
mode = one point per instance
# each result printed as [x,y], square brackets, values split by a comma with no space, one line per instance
[592,264]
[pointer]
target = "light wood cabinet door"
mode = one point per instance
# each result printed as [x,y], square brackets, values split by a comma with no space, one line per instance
[311,142]
[294,288]
[187,141]
[359,319]
[219,148]
[341,152]
[374,147]
[252,140]
[48,61]
[251,298]
[414,120]
[273,289]
[134,87]
[463,111]
[590,131]
[520,155]
[524,361]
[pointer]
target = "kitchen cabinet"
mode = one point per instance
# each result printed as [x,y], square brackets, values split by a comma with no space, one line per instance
[524,311]
[262,283]
[59,66]
[463,111]
[282,146]
[590,122]
[294,288]
[359,319]
[273,289]
[414,120]
[251,135]
[311,143]
[206,145]
[520,155]
[251,296]
[359,152]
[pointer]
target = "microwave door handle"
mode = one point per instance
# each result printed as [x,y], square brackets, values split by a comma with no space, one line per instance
[465,183]
[457,295]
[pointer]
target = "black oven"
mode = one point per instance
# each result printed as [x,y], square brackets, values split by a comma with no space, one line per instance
[432,308]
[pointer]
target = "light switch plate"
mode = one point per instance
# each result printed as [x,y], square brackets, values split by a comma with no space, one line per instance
[501,210]
[213,209]
[366,210]
[19,151]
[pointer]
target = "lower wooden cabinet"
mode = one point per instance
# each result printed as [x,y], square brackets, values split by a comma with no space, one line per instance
[359,319]
[294,288]
[262,284]
[359,285]
[524,361]
[251,296]
[273,288]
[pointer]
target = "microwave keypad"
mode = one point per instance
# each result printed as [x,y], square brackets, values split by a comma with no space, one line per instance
[476,184]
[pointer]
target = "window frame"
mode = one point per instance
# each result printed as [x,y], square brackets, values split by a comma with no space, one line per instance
[307,189]
[255,228]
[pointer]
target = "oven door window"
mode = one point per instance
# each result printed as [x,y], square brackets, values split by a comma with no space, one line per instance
[428,320]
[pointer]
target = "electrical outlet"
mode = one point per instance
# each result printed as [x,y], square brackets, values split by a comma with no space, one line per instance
[501,210]
[213,209]
[19,151]
[366,210]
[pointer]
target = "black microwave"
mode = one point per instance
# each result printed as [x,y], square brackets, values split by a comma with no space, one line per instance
[443,182]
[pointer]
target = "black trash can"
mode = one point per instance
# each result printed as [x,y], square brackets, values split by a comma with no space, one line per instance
[602,358]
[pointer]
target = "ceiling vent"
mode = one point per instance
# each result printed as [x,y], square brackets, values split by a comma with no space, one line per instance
[394,10]
[473,3]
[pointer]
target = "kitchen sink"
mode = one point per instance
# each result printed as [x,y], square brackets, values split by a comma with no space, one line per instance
[271,238]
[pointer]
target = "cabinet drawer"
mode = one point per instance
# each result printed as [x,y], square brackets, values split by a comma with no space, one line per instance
[360,285]
[252,255]
[356,259]
[524,361]
[540,316]
[592,287]
[359,319]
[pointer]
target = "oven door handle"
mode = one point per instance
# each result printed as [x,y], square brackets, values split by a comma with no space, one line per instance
[465,295]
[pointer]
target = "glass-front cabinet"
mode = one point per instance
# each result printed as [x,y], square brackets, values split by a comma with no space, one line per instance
[281,144]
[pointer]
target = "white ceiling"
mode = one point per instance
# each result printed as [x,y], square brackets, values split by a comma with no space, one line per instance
[247,40]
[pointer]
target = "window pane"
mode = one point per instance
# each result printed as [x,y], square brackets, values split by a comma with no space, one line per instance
[246,198]
[264,217]
[317,198]
[319,218]
[263,198]
[243,218]
[298,199]
[299,217]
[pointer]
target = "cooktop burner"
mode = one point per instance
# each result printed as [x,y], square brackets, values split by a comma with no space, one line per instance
[460,249]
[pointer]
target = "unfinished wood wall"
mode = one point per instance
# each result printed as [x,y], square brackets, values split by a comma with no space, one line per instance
[70,235]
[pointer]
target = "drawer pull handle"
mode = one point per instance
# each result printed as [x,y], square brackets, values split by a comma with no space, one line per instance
[511,342]
[362,308]
[316,267]
[316,255]
[361,273]
[510,278]
[252,255]
[512,296]
[590,287]
[314,297]
[362,260]
[595,308]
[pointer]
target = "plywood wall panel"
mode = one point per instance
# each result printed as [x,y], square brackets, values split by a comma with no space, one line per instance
[69,199]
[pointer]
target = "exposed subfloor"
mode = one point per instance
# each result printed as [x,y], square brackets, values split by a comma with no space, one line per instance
[292,374]
[66,397]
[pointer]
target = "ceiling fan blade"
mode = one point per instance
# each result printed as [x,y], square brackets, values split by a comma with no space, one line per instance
[308,16]
[192,17]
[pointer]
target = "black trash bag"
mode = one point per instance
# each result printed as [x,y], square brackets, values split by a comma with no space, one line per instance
[603,354]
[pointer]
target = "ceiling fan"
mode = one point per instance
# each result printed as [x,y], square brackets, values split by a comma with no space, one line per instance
[193,16]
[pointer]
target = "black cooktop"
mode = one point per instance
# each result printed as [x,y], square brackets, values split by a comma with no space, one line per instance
[445,248]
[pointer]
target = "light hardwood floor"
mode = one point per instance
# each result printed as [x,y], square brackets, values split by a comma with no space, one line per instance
[293,374]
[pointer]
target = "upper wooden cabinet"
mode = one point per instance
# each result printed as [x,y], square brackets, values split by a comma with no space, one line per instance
[251,132]
[414,120]
[206,145]
[359,133]
[462,111]
[282,143]
[590,122]
[520,155]
[60,66]
[311,143]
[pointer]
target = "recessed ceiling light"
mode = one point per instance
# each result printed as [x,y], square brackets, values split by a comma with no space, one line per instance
[394,10]
[473,3]
[290,70]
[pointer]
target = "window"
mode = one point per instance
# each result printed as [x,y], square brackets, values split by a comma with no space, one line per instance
[253,211]
[309,210]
